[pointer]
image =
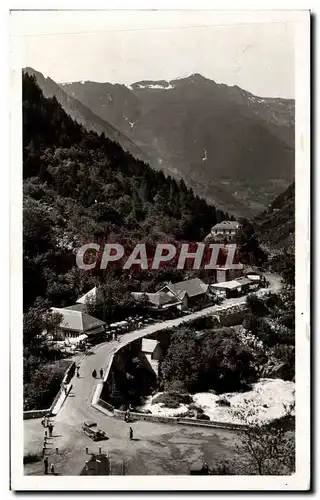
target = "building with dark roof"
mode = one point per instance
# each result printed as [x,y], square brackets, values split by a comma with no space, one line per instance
[181,295]
[75,323]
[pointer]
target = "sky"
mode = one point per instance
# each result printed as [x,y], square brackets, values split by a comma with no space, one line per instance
[255,52]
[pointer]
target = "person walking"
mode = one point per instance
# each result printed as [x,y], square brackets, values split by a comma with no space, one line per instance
[52,468]
[131,433]
[101,373]
[46,465]
[50,429]
[94,373]
[78,374]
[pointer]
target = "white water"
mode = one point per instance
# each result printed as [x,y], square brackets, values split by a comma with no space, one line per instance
[267,398]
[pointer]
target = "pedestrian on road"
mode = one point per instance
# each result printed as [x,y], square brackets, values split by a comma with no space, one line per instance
[52,468]
[101,373]
[46,465]
[94,373]
[78,375]
[131,433]
[50,429]
[127,415]
[65,389]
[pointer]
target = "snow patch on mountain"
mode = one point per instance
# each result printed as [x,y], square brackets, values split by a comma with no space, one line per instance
[155,86]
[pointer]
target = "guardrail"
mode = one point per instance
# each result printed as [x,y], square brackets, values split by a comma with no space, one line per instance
[107,408]
[103,405]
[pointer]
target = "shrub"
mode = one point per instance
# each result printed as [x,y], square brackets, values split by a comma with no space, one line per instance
[223,468]
[43,387]
[172,399]
[223,402]
[30,458]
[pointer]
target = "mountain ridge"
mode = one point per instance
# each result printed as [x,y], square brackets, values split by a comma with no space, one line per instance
[233,148]
[83,115]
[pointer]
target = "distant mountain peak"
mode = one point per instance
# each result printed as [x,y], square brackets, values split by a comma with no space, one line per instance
[151,84]
[194,78]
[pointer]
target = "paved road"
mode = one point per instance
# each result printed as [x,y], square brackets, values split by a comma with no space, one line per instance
[77,407]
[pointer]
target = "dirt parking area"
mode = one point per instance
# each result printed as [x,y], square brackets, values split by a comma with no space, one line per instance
[156,449]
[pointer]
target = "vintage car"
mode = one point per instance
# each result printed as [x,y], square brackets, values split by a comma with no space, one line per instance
[95,434]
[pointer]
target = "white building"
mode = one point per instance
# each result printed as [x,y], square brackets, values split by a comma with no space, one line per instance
[225,230]
[76,323]
[153,352]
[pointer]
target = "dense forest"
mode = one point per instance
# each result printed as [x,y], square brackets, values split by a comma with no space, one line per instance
[80,187]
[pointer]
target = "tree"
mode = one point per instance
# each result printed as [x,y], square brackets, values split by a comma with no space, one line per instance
[267,448]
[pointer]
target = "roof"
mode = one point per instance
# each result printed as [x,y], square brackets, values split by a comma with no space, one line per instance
[192,287]
[97,466]
[157,299]
[91,295]
[244,281]
[226,224]
[77,320]
[230,285]
[148,345]
[77,307]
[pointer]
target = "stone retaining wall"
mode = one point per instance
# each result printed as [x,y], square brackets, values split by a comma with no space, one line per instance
[235,313]
[168,420]
[35,414]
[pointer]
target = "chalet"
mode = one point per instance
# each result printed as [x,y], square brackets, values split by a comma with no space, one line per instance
[77,323]
[181,295]
[225,230]
[158,301]
[188,292]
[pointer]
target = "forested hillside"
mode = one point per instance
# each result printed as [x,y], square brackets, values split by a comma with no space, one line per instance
[81,187]
[276,226]
[232,147]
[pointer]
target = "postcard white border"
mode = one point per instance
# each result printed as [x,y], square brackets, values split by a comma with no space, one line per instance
[300,480]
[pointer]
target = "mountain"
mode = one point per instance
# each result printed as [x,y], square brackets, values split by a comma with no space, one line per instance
[276,225]
[80,187]
[230,146]
[83,115]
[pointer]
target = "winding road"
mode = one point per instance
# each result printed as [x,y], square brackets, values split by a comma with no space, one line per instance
[77,406]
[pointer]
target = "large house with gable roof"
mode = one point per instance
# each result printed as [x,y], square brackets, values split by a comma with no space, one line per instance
[225,230]
[181,295]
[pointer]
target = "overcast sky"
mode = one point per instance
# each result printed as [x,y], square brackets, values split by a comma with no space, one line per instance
[128,46]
